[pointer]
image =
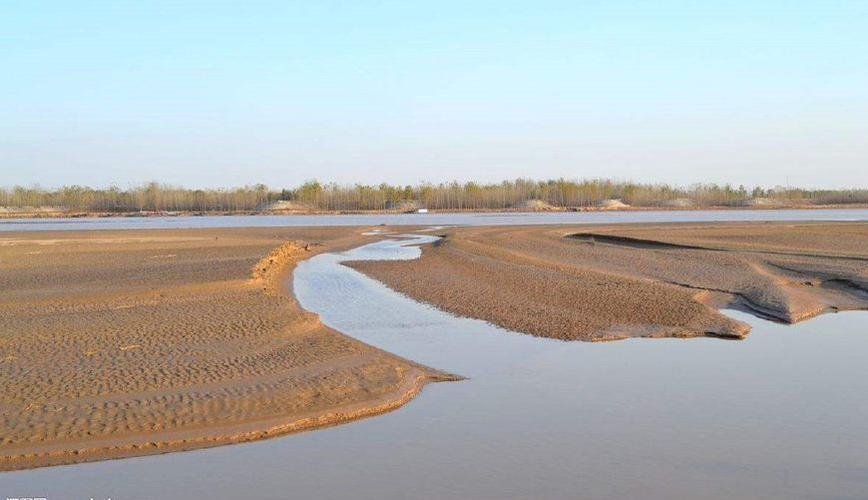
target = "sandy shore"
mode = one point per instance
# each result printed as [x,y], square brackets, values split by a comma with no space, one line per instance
[613,282]
[123,343]
[133,342]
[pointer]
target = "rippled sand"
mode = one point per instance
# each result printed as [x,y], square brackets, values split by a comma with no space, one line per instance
[123,343]
[655,280]
[126,343]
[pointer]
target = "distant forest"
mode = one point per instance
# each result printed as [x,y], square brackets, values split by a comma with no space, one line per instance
[517,194]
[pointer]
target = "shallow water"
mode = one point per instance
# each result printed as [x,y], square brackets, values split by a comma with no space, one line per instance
[473,219]
[782,414]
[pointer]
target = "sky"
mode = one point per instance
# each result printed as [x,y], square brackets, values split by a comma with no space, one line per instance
[220,94]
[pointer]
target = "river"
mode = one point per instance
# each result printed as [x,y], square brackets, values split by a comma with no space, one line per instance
[782,414]
[432,219]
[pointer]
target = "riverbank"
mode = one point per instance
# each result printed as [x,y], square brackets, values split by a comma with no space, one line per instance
[612,282]
[12,214]
[136,342]
[117,344]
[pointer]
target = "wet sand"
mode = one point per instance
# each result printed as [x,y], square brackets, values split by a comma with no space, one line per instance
[125,343]
[614,282]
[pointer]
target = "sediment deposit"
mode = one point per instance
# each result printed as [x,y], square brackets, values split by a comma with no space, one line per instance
[122,343]
[618,281]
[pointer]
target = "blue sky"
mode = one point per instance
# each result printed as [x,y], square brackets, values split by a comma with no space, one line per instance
[228,93]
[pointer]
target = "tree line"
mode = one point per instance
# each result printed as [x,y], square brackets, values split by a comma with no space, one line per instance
[151,197]
[507,195]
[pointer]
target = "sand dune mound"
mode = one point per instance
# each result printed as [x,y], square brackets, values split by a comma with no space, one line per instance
[536,205]
[287,207]
[760,202]
[643,281]
[267,270]
[678,203]
[612,205]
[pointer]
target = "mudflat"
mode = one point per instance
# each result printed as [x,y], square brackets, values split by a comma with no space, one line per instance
[612,282]
[123,343]
[133,342]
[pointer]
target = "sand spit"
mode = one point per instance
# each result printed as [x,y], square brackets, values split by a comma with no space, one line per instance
[612,282]
[116,344]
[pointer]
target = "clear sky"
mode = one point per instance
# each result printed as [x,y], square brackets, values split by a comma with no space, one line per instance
[219,93]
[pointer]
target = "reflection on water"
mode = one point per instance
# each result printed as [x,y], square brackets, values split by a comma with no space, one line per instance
[782,414]
[472,219]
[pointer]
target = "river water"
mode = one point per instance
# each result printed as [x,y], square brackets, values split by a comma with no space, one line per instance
[782,414]
[473,219]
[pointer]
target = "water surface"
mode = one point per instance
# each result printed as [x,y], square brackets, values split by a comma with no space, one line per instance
[782,414]
[474,219]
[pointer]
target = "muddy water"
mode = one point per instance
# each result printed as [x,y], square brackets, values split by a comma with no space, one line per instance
[783,414]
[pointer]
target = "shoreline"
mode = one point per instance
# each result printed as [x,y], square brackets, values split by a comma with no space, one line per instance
[384,381]
[149,444]
[139,342]
[102,215]
[613,282]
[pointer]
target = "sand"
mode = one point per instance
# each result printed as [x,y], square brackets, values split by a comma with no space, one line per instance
[123,343]
[598,283]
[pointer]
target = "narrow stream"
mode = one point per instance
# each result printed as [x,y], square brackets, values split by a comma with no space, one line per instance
[782,414]
[366,309]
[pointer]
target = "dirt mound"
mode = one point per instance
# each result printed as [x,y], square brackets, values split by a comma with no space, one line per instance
[286,206]
[271,267]
[535,204]
[612,205]
[678,203]
[760,202]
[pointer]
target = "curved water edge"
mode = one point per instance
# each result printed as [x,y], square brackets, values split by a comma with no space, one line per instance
[778,415]
[368,310]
